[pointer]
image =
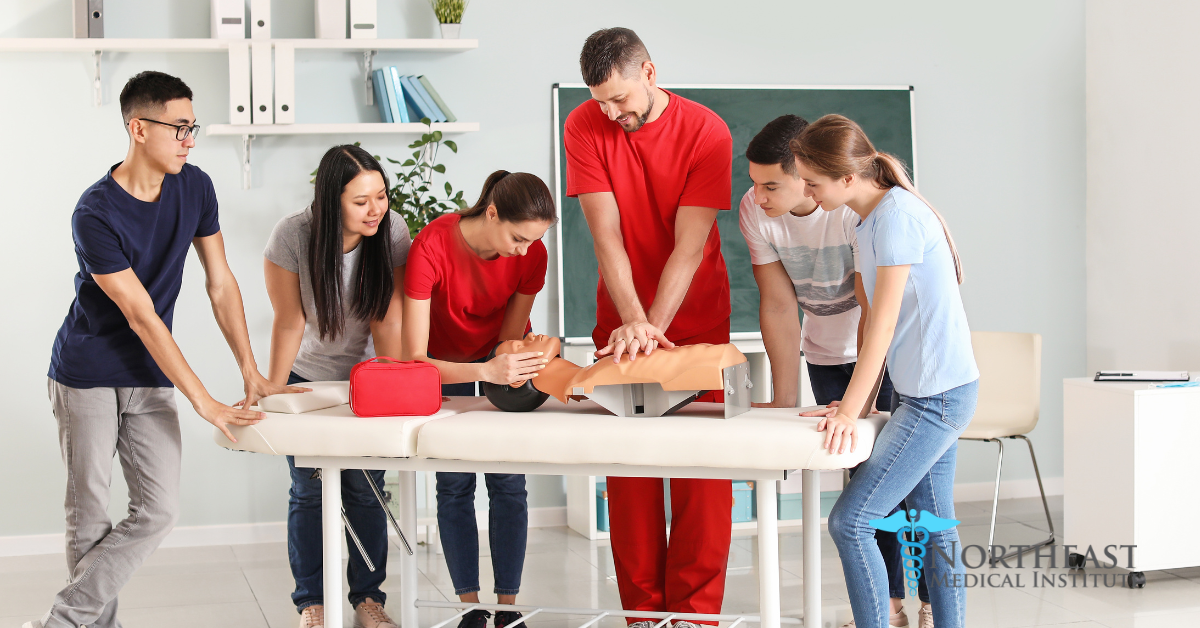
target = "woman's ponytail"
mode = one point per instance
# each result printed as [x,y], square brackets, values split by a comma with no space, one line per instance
[517,197]
[835,146]
[891,173]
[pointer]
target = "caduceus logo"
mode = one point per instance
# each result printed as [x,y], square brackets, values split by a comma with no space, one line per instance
[914,542]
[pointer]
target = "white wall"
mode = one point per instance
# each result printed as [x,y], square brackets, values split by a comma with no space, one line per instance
[1142,160]
[1000,137]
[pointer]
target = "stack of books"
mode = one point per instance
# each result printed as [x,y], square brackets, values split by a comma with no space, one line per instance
[406,98]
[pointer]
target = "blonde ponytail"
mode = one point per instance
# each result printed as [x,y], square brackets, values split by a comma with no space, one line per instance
[891,173]
[835,146]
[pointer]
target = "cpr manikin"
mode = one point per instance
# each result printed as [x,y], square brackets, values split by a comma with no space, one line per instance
[651,385]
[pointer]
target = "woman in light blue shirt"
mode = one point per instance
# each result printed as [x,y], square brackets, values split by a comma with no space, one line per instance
[911,271]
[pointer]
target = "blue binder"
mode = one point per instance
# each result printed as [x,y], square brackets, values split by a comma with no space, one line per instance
[399,111]
[426,98]
[381,96]
[410,97]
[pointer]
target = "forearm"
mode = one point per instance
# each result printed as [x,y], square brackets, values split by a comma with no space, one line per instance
[673,286]
[162,347]
[285,344]
[386,336]
[226,298]
[454,372]
[876,340]
[781,336]
[618,279]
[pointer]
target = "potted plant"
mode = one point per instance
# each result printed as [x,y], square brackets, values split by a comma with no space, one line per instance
[449,14]
[411,196]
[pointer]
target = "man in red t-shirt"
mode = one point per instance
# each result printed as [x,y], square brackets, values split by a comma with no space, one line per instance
[651,170]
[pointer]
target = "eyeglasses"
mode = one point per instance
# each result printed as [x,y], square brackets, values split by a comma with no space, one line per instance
[182,131]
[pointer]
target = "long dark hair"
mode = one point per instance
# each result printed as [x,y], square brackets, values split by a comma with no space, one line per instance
[373,280]
[518,196]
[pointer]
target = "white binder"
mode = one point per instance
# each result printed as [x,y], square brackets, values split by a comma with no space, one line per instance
[262,83]
[363,16]
[331,19]
[285,83]
[228,19]
[260,19]
[88,18]
[239,83]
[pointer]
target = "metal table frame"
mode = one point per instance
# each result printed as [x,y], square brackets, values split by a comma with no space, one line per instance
[768,532]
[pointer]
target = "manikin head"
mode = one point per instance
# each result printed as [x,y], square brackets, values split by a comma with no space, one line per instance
[778,188]
[157,110]
[516,209]
[548,345]
[620,75]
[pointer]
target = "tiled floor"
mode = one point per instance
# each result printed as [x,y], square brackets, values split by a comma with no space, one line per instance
[247,586]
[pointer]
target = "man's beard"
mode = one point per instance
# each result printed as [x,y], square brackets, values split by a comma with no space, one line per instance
[642,118]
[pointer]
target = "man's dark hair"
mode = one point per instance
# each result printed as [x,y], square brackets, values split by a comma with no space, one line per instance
[611,49]
[772,145]
[150,91]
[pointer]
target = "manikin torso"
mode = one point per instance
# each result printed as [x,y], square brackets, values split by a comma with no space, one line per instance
[692,367]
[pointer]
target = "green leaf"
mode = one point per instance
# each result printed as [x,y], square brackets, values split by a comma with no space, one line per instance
[357,143]
[451,145]
[391,160]
[437,136]
[449,190]
[440,168]
[407,163]
[426,121]
[416,155]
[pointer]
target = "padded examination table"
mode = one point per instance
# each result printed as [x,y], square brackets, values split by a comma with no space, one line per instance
[576,439]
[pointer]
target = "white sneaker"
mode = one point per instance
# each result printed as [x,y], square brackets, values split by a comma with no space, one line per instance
[313,617]
[897,620]
[641,624]
[925,617]
[370,614]
[683,623]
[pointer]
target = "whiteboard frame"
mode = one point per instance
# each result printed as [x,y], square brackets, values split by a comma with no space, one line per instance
[558,184]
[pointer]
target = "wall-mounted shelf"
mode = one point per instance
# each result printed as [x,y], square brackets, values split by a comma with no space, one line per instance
[67,44]
[356,128]
[367,47]
[99,45]
[249,131]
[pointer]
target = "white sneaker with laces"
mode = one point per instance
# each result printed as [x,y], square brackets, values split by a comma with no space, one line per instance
[313,617]
[895,620]
[641,624]
[925,617]
[370,614]
[684,624]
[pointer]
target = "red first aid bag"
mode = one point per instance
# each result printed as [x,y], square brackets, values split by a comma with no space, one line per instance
[395,388]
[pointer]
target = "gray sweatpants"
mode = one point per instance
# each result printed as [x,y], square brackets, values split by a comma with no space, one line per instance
[141,425]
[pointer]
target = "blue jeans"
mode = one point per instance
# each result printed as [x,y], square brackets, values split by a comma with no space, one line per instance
[508,521]
[508,529]
[304,534]
[829,383]
[913,460]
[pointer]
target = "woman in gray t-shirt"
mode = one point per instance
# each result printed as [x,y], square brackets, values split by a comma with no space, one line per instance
[334,273]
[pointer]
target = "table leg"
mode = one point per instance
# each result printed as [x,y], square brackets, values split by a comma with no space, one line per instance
[331,542]
[811,519]
[407,500]
[768,555]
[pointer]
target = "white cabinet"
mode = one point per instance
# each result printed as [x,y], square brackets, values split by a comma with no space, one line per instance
[1130,474]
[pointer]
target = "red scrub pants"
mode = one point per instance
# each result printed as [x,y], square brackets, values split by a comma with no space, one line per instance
[688,574]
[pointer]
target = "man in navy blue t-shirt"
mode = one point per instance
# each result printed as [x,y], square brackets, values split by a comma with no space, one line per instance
[114,360]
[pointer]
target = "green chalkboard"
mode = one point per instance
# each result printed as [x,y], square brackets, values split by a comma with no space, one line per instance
[885,113]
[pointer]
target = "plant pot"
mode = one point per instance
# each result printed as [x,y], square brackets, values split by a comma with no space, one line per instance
[450,31]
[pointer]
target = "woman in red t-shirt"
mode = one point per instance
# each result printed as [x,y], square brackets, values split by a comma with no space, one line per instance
[470,284]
